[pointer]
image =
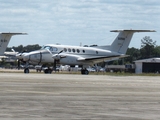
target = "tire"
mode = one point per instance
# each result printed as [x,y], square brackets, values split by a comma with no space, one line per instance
[47,71]
[82,71]
[26,70]
[86,72]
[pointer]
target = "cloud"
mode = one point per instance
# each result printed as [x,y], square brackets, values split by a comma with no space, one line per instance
[72,21]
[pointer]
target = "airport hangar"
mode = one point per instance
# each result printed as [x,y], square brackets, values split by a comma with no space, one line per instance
[151,65]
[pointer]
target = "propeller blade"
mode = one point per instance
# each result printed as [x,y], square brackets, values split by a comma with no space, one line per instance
[60,51]
[13,50]
[20,58]
[54,65]
[18,64]
[55,56]
[49,51]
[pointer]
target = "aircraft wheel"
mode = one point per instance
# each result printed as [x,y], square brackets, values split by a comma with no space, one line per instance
[86,72]
[82,71]
[47,71]
[26,70]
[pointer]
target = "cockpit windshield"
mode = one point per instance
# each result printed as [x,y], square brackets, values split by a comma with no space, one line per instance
[50,48]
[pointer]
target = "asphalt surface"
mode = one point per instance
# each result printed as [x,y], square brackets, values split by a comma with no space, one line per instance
[67,96]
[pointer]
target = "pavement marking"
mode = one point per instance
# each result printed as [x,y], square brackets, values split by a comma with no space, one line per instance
[35,92]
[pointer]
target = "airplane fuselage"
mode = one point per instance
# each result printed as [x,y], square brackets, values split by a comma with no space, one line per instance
[72,55]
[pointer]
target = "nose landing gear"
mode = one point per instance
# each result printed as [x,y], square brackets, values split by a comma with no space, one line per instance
[26,68]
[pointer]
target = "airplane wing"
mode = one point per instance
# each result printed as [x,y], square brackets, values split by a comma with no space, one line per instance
[133,30]
[8,33]
[92,59]
[3,57]
[103,58]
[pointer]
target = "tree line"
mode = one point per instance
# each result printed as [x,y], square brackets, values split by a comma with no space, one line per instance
[148,49]
[22,48]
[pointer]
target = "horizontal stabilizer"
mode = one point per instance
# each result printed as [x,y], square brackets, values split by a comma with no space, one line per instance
[8,33]
[133,30]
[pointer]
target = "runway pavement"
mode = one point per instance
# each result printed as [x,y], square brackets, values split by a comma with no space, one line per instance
[67,96]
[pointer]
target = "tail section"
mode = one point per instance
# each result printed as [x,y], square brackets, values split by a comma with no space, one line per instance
[121,43]
[4,40]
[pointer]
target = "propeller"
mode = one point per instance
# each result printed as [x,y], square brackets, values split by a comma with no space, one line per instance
[19,57]
[56,58]
[18,62]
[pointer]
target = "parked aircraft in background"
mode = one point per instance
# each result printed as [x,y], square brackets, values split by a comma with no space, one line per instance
[82,56]
[8,54]
[4,40]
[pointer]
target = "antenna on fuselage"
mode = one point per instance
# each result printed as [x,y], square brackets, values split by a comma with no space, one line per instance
[80,44]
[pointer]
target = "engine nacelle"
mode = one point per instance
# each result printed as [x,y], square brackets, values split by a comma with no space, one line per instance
[56,57]
[72,60]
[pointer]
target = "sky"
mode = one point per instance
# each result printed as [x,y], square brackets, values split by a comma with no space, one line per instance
[75,22]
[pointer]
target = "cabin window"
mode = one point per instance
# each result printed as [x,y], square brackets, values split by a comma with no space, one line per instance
[78,50]
[96,52]
[69,50]
[73,50]
[65,50]
[51,49]
[83,51]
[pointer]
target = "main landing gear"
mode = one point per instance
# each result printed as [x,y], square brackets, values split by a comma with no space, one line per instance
[84,71]
[26,68]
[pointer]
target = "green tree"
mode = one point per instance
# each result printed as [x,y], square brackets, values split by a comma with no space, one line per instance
[147,47]
[133,53]
[157,51]
[27,48]
[30,48]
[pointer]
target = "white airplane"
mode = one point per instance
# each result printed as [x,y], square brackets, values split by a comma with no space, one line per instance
[82,56]
[4,40]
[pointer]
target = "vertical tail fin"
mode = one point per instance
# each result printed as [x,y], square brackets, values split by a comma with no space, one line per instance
[4,40]
[122,41]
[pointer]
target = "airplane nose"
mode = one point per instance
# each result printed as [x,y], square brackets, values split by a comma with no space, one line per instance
[26,57]
[19,56]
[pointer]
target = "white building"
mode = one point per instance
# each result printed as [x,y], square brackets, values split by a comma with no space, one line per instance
[151,65]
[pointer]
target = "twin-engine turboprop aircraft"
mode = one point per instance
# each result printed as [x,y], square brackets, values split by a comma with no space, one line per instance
[76,55]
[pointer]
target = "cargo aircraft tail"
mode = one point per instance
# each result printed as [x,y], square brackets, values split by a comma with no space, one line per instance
[121,43]
[4,40]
